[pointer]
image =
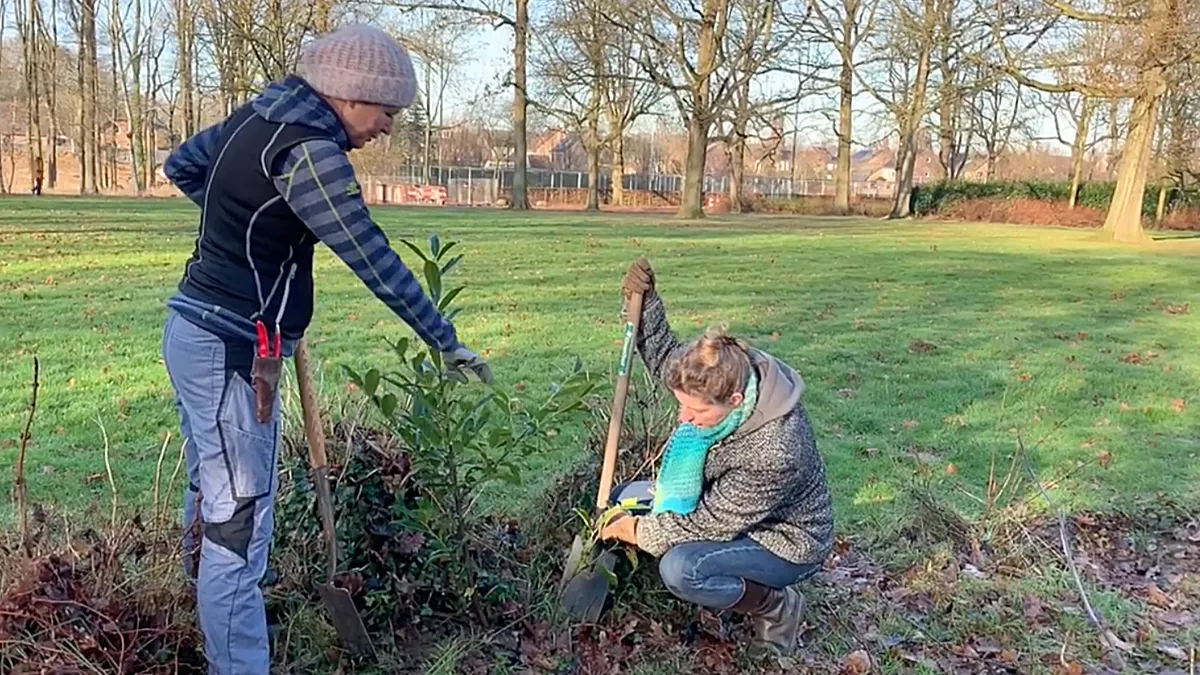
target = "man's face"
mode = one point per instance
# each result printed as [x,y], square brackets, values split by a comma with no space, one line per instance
[365,122]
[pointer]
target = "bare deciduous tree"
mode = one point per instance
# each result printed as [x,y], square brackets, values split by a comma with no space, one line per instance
[3,26]
[1154,37]
[570,66]
[906,48]
[29,26]
[844,24]
[627,97]
[701,55]
[435,39]
[993,113]
[498,14]
[82,14]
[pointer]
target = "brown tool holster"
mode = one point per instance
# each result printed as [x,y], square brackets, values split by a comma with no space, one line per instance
[264,374]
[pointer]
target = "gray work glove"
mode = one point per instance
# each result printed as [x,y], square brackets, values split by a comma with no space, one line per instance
[462,357]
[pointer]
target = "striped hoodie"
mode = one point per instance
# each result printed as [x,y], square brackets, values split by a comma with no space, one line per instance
[316,181]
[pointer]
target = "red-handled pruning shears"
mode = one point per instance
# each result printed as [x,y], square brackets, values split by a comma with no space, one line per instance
[264,351]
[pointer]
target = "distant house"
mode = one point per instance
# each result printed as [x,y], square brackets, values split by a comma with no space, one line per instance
[557,150]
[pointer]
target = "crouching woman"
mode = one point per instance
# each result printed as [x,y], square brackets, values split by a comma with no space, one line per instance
[740,508]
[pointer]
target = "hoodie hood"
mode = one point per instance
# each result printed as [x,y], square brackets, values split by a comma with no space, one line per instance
[779,390]
[294,101]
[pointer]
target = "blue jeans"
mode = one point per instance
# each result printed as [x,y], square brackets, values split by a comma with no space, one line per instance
[231,463]
[714,574]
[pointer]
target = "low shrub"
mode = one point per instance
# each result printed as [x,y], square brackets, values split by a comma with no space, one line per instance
[936,198]
[1023,212]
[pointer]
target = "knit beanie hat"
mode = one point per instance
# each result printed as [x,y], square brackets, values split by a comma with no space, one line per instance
[359,63]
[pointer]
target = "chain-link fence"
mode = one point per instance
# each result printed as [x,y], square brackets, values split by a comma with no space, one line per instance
[483,186]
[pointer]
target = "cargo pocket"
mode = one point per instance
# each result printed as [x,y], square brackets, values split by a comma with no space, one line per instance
[249,447]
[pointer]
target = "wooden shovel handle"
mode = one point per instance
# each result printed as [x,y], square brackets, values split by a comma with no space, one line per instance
[316,454]
[632,323]
[313,430]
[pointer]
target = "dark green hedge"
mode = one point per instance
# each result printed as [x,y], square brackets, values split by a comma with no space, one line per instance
[932,198]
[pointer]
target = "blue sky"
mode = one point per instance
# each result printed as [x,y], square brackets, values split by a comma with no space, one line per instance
[490,57]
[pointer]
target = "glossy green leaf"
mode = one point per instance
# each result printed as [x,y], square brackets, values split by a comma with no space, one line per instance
[371,382]
[414,249]
[433,277]
[387,405]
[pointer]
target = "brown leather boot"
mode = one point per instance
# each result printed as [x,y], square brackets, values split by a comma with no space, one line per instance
[776,614]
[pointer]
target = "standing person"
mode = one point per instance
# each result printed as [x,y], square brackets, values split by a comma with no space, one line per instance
[39,174]
[273,180]
[740,511]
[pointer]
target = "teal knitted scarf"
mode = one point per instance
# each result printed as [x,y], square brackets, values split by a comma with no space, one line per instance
[681,478]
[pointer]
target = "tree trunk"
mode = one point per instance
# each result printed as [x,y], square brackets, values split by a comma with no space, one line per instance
[185,41]
[1079,148]
[321,13]
[593,194]
[1160,210]
[81,150]
[992,158]
[947,127]
[3,27]
[841,197]
[133,101]
[88,116]
[902,198]
[737,166]
[1114,143]
[29,27]
[520,198]
[52,99]
[427,146]
[115,116]
[692,205]
[617,173]
[1124,221]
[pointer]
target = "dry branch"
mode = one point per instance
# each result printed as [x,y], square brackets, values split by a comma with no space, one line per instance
[19,469]
[1107,636]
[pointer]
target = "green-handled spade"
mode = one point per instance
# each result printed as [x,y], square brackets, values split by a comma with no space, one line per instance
[584,585]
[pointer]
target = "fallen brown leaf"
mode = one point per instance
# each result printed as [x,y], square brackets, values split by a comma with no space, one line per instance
[856,663]
[1104,457]
[922,347]
[1156,597]
[1178,404]
[1033,609]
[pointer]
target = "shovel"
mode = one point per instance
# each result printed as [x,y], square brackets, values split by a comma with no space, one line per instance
[337,601]
[585,590]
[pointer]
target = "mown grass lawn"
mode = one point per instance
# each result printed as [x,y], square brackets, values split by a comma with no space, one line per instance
[922,345]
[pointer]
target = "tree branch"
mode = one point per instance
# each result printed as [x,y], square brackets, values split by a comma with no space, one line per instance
[1070,11]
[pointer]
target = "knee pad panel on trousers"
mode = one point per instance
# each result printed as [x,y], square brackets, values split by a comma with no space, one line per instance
[234,534]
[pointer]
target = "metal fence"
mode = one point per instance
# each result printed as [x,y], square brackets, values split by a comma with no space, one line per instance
[477,186]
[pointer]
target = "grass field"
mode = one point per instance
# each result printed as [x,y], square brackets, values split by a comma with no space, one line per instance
[921,344]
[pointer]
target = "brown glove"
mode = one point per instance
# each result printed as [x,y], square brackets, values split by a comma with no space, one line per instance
[639,278]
